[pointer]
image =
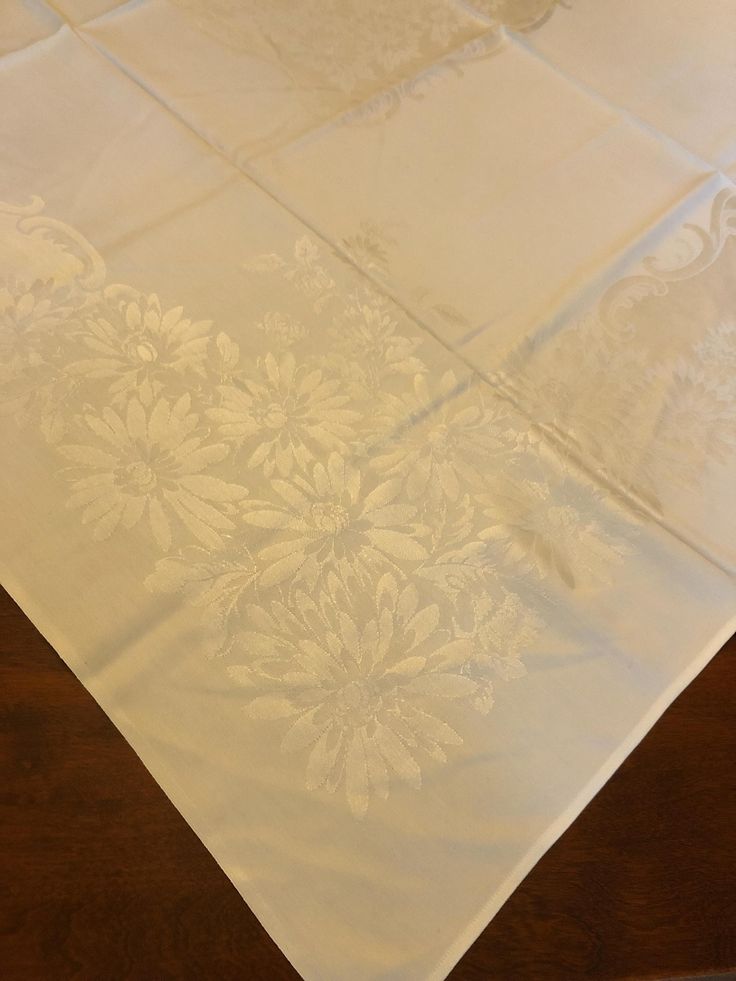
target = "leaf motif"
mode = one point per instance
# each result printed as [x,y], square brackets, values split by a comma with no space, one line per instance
[228,350]
[282,570]
[424,623]
[452,655]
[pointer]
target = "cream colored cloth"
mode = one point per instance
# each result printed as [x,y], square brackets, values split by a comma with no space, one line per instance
[368,390]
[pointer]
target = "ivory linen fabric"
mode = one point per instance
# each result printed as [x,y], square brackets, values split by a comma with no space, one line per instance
[368,390]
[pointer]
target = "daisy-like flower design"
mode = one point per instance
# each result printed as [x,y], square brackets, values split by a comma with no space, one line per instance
[35,321]
[30,317]
[363,691]
[697,421]
[136,345]
[549,527]
[444,438]
[151,463]
[289,417]
[717,352]
[332,525]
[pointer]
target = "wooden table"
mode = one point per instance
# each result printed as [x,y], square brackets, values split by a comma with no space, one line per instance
[100,878]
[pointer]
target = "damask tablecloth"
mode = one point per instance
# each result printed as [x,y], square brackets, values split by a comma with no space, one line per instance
[368,421]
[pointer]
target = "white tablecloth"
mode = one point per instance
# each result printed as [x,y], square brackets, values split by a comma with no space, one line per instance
[368,421]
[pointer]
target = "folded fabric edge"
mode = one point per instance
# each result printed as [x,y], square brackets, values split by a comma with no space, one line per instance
[264,912]
[560,825]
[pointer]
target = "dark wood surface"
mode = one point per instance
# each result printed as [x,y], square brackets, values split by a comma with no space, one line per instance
[100,878]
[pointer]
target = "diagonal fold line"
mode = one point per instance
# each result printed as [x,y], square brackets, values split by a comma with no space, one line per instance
[555,443]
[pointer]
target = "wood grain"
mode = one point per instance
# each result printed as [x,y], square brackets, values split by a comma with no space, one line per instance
[102,879]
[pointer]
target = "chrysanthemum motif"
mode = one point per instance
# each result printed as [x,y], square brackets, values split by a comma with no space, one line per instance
[334,525]
[28,317]
[444,438]
[34,323]
[136,346]
[367,344]
[717,352]
[151,462]
[696,422]
[550,527]
[364,689]
[286,418]
[340,45]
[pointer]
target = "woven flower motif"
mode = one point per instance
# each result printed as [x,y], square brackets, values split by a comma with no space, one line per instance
[499,628]
[282,330]
[364,689]
[332,524]
[339,44]
[378,485]
[137,347]
[697,421]
[29,316]
[717,352]
[367,345]
[35,323]
[550,527]
[305,271]
[369,247]
[445,436]
[151,463]
[287,417]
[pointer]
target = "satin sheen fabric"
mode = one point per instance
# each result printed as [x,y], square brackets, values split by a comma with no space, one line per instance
[368,421]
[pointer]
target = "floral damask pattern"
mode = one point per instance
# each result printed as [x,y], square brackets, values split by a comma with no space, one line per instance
[339,44]
[136,346]
[151,461]
[652,411]
[370,539]
[361,688]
